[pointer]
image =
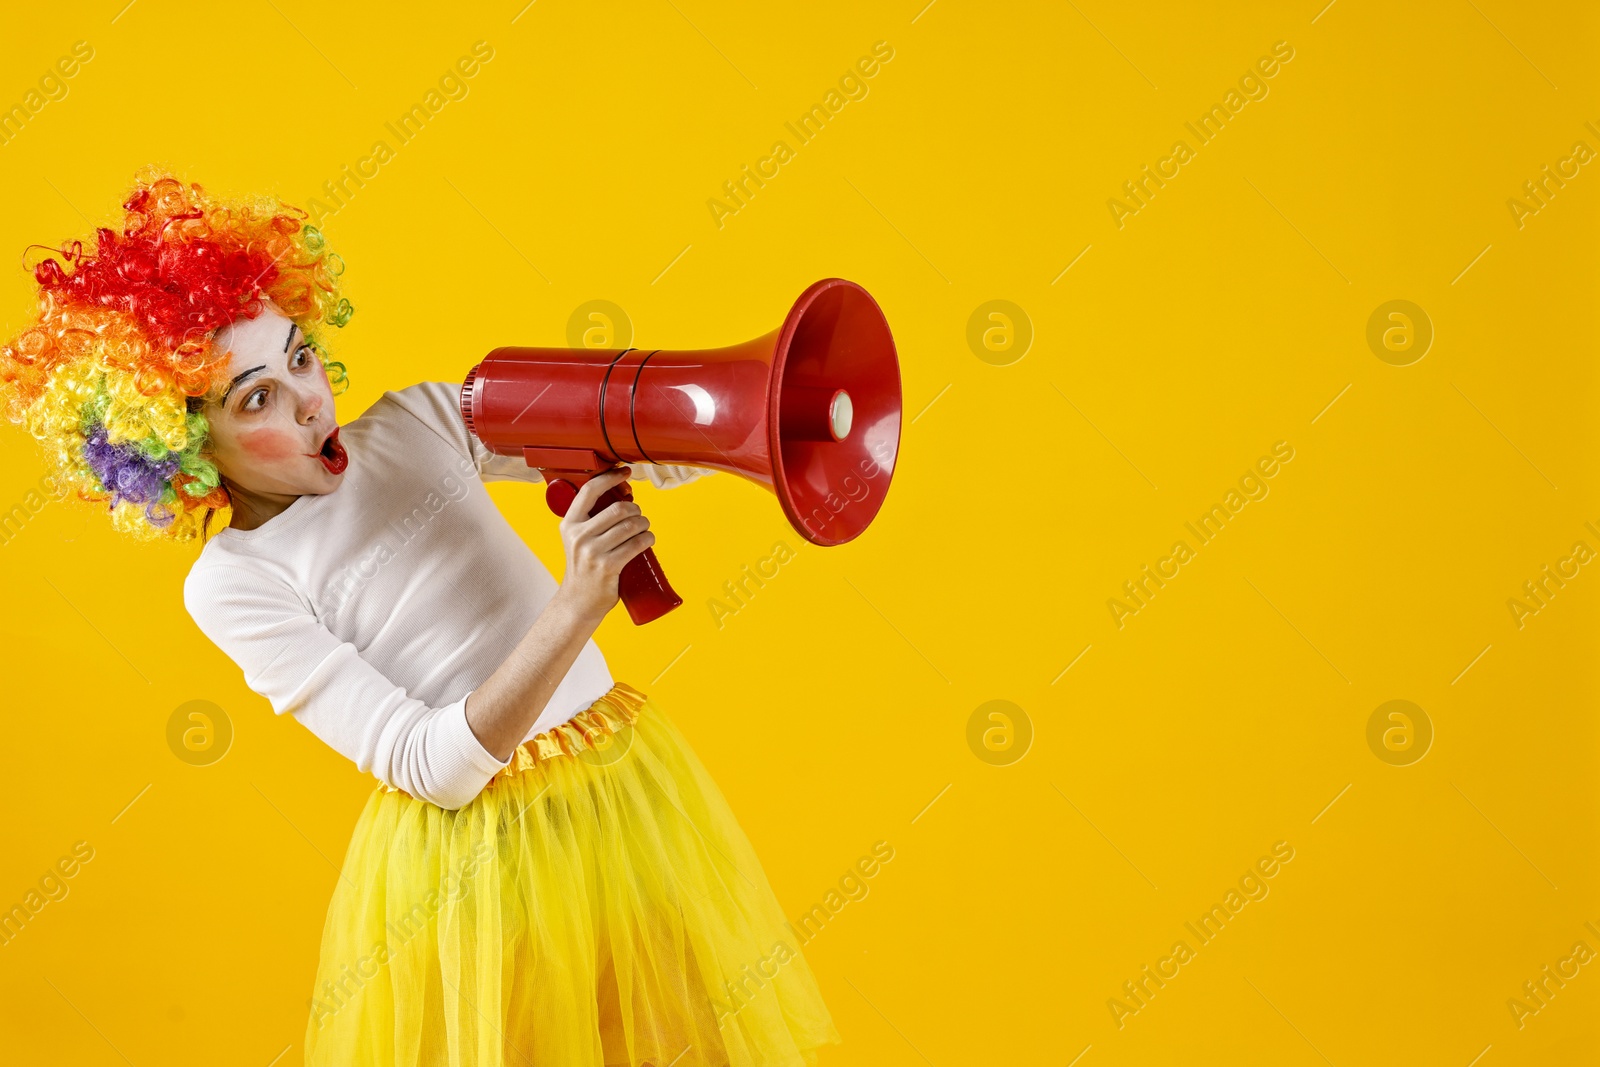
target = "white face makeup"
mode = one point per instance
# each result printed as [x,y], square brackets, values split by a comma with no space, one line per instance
[273,434]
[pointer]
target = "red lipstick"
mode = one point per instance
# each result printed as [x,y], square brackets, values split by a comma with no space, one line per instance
[332,454]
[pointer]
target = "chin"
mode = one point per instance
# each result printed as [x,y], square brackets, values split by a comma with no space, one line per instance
[315,482]
[327,482]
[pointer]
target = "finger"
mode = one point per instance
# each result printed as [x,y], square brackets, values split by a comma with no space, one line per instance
[587,496]
[610,516]
[589,493]
[633,546]
[620,533]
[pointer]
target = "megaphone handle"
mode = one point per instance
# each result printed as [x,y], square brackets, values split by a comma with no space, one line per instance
[641,583]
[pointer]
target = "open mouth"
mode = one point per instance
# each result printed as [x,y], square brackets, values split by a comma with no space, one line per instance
[332,454]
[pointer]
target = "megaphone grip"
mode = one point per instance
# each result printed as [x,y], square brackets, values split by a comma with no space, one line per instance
[641,584]
[644,589]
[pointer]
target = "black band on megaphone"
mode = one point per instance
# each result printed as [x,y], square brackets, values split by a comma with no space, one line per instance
[632,399]
[603,383]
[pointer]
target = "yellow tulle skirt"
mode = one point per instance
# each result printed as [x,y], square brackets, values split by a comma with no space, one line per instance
[596,904]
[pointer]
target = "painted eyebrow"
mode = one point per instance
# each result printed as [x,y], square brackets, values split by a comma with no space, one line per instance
[239,378]
[287,341]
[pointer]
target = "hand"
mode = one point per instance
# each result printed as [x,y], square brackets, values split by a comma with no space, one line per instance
[599,547]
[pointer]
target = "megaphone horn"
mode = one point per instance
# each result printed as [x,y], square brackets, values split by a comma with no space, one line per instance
[810,412]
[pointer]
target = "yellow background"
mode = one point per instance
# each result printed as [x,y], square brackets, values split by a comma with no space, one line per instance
[834,707]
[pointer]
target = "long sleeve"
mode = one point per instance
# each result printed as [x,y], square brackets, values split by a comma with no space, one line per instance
[438,405]
[667,475]
[303,669]
[493,468]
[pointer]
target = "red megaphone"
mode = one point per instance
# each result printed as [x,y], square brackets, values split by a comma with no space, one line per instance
[810,411]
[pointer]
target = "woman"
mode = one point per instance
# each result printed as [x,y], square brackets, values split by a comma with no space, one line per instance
[544,874]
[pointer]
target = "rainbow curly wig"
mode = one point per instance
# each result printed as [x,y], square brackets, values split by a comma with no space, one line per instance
[113,374]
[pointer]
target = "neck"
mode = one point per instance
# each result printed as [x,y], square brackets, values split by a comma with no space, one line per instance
[251,510]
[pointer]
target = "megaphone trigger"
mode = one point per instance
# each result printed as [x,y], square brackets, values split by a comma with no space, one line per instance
[562,491]
[559,495]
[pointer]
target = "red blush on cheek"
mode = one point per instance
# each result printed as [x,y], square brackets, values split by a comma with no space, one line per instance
[268,446]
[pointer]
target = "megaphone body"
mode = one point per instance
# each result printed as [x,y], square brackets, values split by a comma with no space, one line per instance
[810,412]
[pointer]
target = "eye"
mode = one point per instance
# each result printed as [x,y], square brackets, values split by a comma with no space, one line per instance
[250,401]
[303,356]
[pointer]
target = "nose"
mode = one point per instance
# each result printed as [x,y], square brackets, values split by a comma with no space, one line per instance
[310,407]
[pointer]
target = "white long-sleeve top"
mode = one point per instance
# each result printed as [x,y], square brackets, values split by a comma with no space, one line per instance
[370,613]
